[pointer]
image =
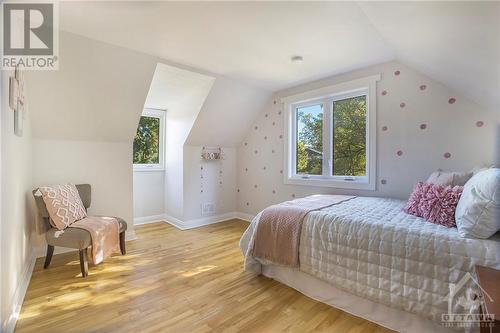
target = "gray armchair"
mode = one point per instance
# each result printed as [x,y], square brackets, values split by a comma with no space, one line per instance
[74,238]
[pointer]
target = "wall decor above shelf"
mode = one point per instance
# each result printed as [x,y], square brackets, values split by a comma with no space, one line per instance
[212,153]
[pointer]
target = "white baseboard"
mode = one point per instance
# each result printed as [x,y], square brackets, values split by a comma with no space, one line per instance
[148,219]
[190,224]
[18,299]
[174,221]
[195,223]
[244,216]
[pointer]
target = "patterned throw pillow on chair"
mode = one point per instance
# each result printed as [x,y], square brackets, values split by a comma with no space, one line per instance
[63,204]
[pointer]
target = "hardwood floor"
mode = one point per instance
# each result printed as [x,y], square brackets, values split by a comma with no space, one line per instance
[174,281]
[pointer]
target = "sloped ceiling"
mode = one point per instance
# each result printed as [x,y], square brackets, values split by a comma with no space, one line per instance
[248,41]
[176,90]
[226,114]
[456,43]
[97,94]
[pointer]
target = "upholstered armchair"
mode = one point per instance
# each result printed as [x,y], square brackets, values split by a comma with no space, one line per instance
[74,238]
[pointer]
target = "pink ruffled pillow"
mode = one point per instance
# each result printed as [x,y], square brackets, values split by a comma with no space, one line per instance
[435,203]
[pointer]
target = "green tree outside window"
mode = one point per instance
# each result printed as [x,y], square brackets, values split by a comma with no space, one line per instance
[147,141]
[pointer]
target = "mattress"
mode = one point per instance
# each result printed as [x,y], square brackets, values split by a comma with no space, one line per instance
[370,248]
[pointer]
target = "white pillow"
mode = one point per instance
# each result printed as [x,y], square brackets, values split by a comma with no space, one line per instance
[449,178]
[478,210]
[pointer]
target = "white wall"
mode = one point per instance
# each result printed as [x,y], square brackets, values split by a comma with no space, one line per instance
[149,194]
[105,165]
[182,93]
[449,128]
[217,185]
[228,110]
[17,211]
[85,116]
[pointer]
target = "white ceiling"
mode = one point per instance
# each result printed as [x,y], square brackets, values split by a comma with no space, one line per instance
[250,41]
[177,90]
[455,43]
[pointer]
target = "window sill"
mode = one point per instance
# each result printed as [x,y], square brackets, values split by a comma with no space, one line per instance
[359,184]
[148,169]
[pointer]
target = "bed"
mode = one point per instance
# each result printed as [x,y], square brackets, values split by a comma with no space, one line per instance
[368,257]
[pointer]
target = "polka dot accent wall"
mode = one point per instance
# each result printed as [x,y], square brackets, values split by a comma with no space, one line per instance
[421,128]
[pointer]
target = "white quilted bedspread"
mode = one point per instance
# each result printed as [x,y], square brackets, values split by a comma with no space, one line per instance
[371,248]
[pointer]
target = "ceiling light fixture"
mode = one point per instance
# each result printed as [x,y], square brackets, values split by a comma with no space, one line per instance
[297,59]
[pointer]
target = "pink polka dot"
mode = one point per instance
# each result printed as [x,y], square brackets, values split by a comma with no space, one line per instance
[384,128]
[423,87]
[452,100]
[446,155]
[479,123]
[423,126]
[383,181]
[397,72]
[384,92]
[402,104]
[399,152]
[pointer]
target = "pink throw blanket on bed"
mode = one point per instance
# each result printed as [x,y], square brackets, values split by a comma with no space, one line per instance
[278,232]
[104,233]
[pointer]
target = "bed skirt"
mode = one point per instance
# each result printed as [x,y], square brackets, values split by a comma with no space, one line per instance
[380,314]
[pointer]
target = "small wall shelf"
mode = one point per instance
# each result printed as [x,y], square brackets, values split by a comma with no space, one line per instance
[212,153]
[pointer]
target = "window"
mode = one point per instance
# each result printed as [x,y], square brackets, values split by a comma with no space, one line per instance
[331,136]
[149,141]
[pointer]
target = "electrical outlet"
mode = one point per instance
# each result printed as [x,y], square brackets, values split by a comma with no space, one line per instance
[207,208]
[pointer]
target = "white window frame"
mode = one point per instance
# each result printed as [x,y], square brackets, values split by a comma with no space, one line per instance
[160,114]
[327,95]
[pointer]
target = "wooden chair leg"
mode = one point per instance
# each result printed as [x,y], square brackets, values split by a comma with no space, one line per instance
[122,243]
[84,265]
[48,257]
